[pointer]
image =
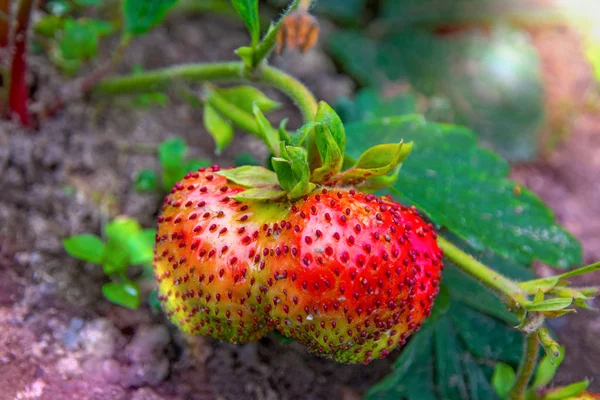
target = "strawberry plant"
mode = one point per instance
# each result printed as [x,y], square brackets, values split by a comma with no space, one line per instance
[126,244]
[368,230]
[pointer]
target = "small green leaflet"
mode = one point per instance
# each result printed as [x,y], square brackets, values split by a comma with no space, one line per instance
[85,247]
[503,379]
[248,10]
[219,128]
[125,294]
[464,188]
[142,15]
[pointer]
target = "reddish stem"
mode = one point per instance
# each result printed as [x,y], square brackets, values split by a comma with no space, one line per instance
[18,92]
[4,39]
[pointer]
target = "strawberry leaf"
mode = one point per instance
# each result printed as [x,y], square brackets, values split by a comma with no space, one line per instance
[547,369]
[549,305]
[244,97]
[465,188]
[503,379]
[85,247]
[146,181]
[251,176]
[329,119]
[332,157]
[142,15]
[267,132]
[377,161]
[141,247]
[218,127]
[248,10]
[567,392]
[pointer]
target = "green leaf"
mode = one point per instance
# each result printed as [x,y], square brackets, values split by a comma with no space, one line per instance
[142,15]
[244,97]
[369,104]
[49,25]
[283,169]
[248,10]
[245,159]
[141,247]
[267,132]
[302,133]
[332,158]
[171,153]
[85,247]
[413,373]
[218,127]
[372,62]
[376,162]
[448,365]
[250,176]
[452,353]
[80,38]
[547,369]
[146,181]
[464,188]
[503,379]
[124,294]
[117,256]
[327,118]
[568,391]
[549,305]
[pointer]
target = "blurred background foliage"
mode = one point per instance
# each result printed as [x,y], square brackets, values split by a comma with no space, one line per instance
[469,62]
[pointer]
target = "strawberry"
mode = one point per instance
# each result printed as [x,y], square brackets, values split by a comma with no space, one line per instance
[241,252]
[356,274]
[349,275]
[209,256]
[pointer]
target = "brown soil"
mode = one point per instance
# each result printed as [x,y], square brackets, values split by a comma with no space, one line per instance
[61,340]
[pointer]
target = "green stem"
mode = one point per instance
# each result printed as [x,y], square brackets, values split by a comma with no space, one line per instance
[526,368]
[500,284]
[230,72]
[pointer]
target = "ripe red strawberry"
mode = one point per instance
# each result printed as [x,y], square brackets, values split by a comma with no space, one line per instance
[360,274]
[349,275]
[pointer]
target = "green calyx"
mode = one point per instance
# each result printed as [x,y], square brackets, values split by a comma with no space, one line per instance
[312,157]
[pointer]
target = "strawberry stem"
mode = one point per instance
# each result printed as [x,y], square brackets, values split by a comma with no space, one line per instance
[526,368]
[212,72]
[492,279]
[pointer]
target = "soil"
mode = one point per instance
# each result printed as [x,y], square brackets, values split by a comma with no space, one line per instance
[61,340]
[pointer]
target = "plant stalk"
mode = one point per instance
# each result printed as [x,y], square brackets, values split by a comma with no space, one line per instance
[492,279]
[18,92]
[526,368]
[4,53]
[161,79]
